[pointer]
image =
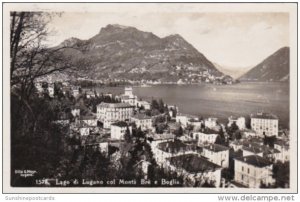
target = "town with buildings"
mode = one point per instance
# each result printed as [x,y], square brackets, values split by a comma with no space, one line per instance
[184,149]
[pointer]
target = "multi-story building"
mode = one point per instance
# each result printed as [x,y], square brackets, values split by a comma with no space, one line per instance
[248,133]
[159,138]
[169,149]
[217,154]
[252,148]
[240,122]
[264,124]
[206,136]
[146,105]
[118,130]
[210,122]
[284,148]
[183,119]
[236,145]
[82,128]
[90,120]
[129,97]
[108,113]
[196,170]
[143,121]
[195,122]
[253,171]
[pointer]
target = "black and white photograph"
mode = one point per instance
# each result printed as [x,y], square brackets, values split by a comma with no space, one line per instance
[198,97]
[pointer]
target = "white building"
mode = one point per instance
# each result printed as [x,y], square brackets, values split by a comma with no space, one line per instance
[75,112]
[252,171]
[172,109]
[109,113]
[236,145]
[205,137]
[255,148]
[108,95]
[129,97]
[90,120]
[82,128]
[218,154]
[143,121]
[182,119]
[240,122]
[169,149]
[145,104]
[284,148]
[159,138]
[247,133]
[90,94]
[265,124]
[118,130]
[75,91]
[195,122]
[85,130]
[252,149]
[210,122]
[51,89]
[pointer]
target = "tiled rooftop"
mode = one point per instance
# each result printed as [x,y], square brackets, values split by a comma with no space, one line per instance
[255,160]
[141,116]
[120,124]
[216,148]
[192,163]
[114,105]
[264,116]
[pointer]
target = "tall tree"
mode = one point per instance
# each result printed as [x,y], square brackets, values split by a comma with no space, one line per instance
[127,135]
[30,57]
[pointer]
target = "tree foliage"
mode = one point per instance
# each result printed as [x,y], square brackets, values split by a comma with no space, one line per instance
[281,173]
[30,57]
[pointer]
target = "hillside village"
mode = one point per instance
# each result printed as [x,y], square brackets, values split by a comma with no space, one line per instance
[164,147]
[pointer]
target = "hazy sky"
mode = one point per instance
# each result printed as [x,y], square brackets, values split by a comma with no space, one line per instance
[229,39]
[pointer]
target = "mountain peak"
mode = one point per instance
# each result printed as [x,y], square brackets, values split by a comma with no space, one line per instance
[126,52]
[273,68]
[111,28]
[119,26]
[174,37]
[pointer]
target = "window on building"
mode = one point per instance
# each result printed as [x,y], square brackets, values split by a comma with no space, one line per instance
[242,168]
[248,170]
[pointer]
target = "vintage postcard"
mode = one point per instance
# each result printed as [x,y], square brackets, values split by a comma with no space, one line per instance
[150,97]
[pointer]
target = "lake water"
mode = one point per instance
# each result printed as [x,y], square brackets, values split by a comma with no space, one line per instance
[220,101]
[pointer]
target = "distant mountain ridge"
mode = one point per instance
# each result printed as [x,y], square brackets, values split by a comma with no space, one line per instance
[119,52]
[276,67]
[234,72]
